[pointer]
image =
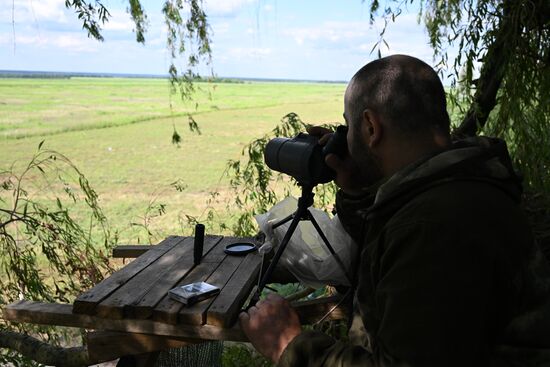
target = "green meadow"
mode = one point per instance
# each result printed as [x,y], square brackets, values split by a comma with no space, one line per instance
[118,133]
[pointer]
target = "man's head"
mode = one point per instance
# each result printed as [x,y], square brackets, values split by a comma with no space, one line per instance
[396,110]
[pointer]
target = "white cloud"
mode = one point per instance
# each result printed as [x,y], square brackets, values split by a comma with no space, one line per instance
[75,43]
[240,53]
[329,32]
[66,41]
[26,40]
[157,41]
[119,21]
[226,7]
[406,36]
[221,28]
[48,9]
[53,15]
[30,11]
[368,47]
[403,36]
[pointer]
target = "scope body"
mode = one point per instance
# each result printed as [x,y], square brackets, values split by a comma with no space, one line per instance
[303,158]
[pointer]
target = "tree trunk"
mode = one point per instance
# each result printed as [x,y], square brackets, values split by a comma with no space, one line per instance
[491,75]
[499,54]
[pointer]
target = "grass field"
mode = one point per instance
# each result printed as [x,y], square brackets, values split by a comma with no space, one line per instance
[118,132]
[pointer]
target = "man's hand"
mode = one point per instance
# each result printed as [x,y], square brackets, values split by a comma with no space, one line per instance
[271,325]
[347,172]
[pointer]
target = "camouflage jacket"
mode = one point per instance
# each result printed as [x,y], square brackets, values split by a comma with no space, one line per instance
[448,272]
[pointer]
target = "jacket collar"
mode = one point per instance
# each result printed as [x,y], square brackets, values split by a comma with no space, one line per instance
[477,158]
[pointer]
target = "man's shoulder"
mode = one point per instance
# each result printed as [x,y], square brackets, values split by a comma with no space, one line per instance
[460,202]
[463,218]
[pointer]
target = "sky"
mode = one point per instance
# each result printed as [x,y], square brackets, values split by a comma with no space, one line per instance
[280,39]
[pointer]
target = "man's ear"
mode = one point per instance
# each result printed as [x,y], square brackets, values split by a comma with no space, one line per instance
[372,128]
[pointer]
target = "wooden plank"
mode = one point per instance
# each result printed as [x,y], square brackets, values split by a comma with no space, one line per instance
[109,345]
[86,303]
[61,315]
[167,309]
[196,314]
[224,310]
[115,306]
[130,251]
[142,308]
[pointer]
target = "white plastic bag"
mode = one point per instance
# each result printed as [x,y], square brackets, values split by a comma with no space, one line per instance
[306,255]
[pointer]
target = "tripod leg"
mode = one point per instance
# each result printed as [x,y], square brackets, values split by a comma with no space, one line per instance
[284,220]
[328,245]
[273,263]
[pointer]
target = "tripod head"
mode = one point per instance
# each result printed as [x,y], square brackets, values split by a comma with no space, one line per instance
[301,213]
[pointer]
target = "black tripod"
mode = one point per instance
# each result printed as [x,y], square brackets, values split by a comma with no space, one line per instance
[302,213]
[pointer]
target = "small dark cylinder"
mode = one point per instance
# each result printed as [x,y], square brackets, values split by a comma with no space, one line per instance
[199,242]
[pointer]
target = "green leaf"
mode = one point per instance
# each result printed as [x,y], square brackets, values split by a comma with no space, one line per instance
[176,138]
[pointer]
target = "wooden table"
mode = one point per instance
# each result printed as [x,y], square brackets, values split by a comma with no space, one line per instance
[134,299]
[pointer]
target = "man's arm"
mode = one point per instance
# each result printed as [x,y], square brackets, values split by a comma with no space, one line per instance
[271,325]
[273,328]
[349,209]
[313,349]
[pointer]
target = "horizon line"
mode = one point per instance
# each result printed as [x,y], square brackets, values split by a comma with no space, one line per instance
[38,73]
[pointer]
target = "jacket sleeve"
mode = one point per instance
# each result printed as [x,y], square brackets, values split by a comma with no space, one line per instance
[313,348]
[432,294]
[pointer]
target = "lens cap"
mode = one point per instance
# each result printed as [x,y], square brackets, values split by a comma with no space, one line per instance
[239,248]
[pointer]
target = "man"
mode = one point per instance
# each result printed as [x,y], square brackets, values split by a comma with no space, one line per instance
[447,272]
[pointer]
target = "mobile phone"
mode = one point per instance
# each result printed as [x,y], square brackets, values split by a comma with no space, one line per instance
[193,292]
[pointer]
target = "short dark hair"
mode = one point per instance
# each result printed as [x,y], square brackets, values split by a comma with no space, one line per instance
[404,90]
